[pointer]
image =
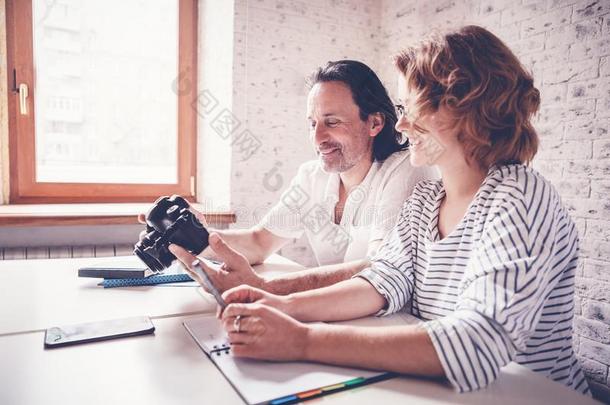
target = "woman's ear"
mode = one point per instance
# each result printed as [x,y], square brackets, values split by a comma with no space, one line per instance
[376,123]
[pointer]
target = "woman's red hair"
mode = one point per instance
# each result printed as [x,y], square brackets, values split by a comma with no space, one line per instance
[484,87]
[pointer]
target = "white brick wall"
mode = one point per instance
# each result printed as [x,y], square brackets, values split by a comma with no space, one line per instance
[279,43]
[566,44]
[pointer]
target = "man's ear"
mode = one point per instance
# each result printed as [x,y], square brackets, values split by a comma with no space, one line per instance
[376,123]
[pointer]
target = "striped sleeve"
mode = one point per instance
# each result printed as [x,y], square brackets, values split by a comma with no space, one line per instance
[525,245]
[391,268]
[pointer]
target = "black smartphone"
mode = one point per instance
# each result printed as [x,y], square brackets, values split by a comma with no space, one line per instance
[96,331]
[115,272]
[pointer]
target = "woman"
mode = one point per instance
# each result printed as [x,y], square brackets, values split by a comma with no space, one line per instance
[486,257]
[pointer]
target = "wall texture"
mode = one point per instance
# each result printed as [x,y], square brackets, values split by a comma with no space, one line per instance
[277,44]
[566,44]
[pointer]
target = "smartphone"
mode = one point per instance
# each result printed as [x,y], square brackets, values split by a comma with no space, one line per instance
[115,272]
[96,331]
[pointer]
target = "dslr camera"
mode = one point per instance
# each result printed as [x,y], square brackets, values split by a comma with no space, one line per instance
[170,221]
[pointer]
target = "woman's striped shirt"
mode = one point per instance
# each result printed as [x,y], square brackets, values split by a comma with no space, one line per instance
[498,288]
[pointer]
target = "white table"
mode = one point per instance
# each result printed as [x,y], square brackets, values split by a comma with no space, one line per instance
[37,294]
[168,367]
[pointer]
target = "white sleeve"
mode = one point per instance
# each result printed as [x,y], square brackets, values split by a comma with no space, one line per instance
[284,218]
[392,196]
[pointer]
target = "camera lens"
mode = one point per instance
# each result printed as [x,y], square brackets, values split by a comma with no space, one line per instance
[148,260]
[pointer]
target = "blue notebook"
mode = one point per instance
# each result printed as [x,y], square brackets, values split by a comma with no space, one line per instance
[152,280]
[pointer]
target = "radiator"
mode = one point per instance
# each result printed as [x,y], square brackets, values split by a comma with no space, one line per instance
[57,252]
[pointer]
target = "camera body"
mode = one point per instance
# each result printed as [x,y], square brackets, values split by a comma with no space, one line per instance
[170,221]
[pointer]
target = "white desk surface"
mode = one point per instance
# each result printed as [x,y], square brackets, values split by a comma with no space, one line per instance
[168,367]
[37,294]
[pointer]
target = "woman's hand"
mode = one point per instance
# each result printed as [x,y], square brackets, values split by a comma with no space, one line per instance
[262,332]
[245,294]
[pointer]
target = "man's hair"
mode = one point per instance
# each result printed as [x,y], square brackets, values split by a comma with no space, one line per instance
[370,96]
[482,85]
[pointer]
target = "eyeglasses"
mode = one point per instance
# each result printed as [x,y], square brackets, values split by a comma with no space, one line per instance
[400,110]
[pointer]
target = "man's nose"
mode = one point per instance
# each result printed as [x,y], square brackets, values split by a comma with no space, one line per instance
[320,134]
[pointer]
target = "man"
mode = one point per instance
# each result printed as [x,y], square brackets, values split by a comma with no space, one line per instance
[345,202]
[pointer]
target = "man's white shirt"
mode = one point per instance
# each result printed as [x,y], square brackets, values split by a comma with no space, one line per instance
[370,212]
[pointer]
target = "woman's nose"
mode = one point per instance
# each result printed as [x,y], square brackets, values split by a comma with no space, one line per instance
[402,124]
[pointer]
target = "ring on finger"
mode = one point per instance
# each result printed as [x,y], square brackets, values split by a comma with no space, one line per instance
[237,324]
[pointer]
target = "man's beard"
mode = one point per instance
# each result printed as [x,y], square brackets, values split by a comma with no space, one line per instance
[336,162]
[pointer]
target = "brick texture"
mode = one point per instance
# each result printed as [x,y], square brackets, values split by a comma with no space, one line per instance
[279,43]
[564,43]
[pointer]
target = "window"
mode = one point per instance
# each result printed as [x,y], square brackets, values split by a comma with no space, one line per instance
[100,99]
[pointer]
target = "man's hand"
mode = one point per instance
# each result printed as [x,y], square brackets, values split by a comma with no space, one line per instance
[234,271]
[264,332]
